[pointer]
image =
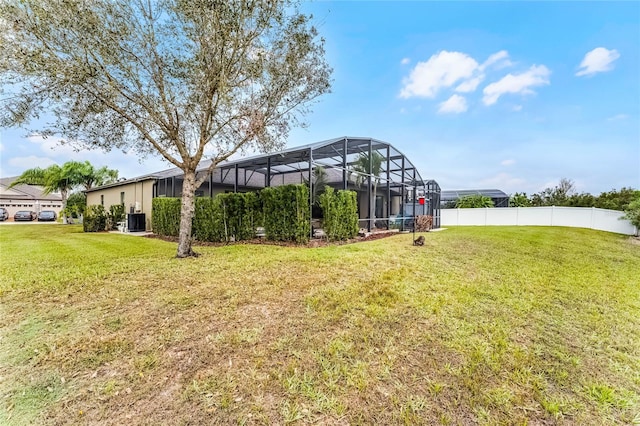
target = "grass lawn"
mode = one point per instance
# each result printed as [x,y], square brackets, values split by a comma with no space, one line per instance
[495,325]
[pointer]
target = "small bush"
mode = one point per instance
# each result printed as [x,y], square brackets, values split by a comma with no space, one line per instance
[95,219]
[632,213]
[165,216]
[116,214]
[340,211]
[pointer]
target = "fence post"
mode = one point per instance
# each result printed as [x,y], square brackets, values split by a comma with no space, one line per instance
[592,212]
[552,208]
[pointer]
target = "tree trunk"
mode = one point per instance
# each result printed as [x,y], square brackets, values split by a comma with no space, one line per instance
[373,205]
[186,215]
[63,196]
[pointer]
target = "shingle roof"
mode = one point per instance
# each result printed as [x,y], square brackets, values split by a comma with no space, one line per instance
[24,192]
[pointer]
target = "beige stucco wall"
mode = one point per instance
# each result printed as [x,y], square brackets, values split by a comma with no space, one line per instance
[142,192]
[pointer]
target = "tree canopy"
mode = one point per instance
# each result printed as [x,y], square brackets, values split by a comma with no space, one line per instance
[183,79]
[474,202]
[565,195]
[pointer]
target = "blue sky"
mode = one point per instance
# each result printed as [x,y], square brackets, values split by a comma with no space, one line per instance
[507,95]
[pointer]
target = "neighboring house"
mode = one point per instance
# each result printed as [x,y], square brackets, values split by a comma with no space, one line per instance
[394,184]
[27,197]
[449,197]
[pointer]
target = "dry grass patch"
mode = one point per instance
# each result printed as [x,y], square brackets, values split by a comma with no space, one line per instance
[479,326]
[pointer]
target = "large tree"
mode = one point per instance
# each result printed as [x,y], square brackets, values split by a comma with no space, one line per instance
[185,79]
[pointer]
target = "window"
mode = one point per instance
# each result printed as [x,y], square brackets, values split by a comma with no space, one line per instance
[102,200]
[122,198]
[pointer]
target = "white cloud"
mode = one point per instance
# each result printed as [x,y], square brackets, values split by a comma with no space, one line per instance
[470,85]
[499,59]
[508,162]
[31,162]
[443,69]
[618,117]
[455,104]
[517,108]
[598,60]
[537,75]
[405,61]
[447,69]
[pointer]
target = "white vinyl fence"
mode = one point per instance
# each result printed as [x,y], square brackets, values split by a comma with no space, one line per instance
[578,217]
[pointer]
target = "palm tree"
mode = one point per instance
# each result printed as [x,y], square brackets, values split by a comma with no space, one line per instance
[366,166]
[86,175]
[319,180]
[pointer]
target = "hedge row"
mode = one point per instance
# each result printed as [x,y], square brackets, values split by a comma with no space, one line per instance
[165,216]
[282,210]
[286,213]
[340,211]
[227,217]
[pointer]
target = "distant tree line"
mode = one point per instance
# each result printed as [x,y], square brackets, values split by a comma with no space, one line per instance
[564,194]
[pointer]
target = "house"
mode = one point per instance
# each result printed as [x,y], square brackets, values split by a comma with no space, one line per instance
[27,197]
[390,188]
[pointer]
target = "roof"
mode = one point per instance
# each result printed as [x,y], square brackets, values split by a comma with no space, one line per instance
[455,194]
[323,153]
[24,192]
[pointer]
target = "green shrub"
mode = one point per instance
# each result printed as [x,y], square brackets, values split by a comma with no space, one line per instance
[165,216]
[286,213]
[116,214]
[208,220]
[235,216]
[76,205]
[474,202]
[340,211]
[227,217]
[95,219]
[632,213]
